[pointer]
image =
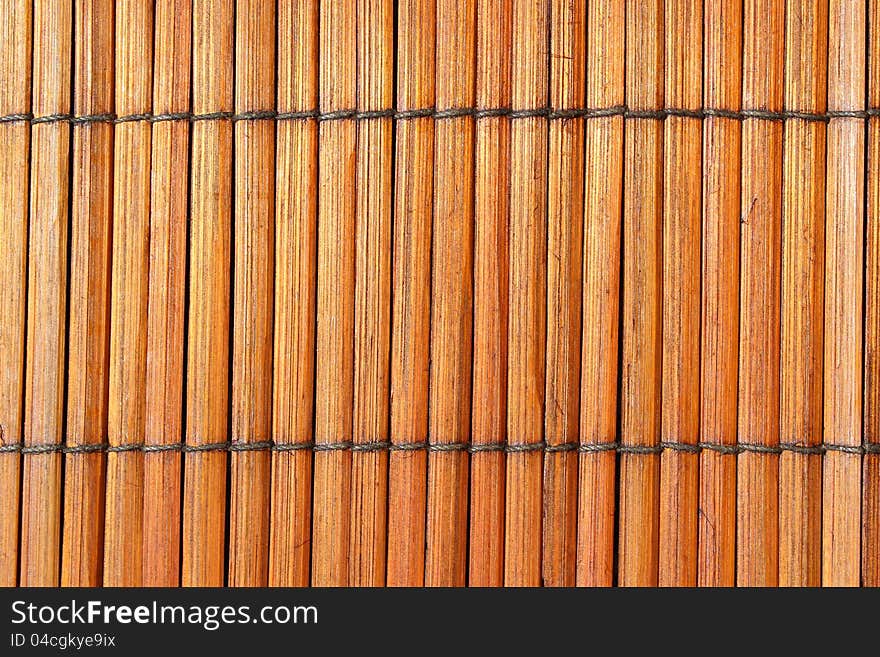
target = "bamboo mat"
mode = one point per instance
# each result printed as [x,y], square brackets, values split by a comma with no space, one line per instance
[440,292]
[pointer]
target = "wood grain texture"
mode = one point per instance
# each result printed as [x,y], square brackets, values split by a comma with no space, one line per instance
[491,234]
[527,324]
[642,278]
[757,528]
[722,65]
[123,528]
[16,26]
[871,414]
[440,292]
[166,306]
[682,186]
[372,331]
[40,555]
[203,560]
[88,325]
[411,294]
[803,262]
[565,217]
[331,517]
[254,267]
[844,286]
[290,526]
[449,419]
[603,207]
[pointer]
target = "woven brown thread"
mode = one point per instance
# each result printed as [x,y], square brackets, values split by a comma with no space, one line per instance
[449,113]
[472,448]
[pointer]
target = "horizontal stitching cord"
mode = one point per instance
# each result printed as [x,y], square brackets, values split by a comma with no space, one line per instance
[447,113]
[473,448]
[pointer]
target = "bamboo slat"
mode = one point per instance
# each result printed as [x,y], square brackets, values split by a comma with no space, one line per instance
[254,272]
[293,387]
[844,285]
[16,25]
[757,486]
[166,306]
[722,143]
[208,337]
[40,554]
[682,178]
[638,549]
[603,207]
[565,217]
[88,329]
[871,416]
[449,417]
[372,331]
[803,252]
[411,294]
[337,141]
[491,257]
[123,529]
[527,324]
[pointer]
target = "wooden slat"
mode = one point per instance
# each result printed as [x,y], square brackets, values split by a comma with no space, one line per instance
[207,368]
[87,366]
[803,258]
[757,528]
[449,418]
[642,251]
[47,296]
[123,532]
[680,403]
[16,26]
[491,216]
[871,425]
[603,206]
[295,289]
[166,308]
[411,296]
[253,246]
[722,64]
[527,296]
[565,203]
[335,337]
[844,271]
[372,331]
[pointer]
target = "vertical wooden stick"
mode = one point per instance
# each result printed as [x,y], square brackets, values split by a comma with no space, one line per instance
[372,331]
[491,215]
[207,385]
[565,202]
[451,297]
[169,214]
[254,271]
[410,332]
[716,523]
[92,205]
[603,197]
[15,98]
[681,294]
[123,534]
[757,528]
[844,271]
[47,296]
[295,289]
[527,296]
[871,425]
[803,257]
[336,229]
[642,249]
